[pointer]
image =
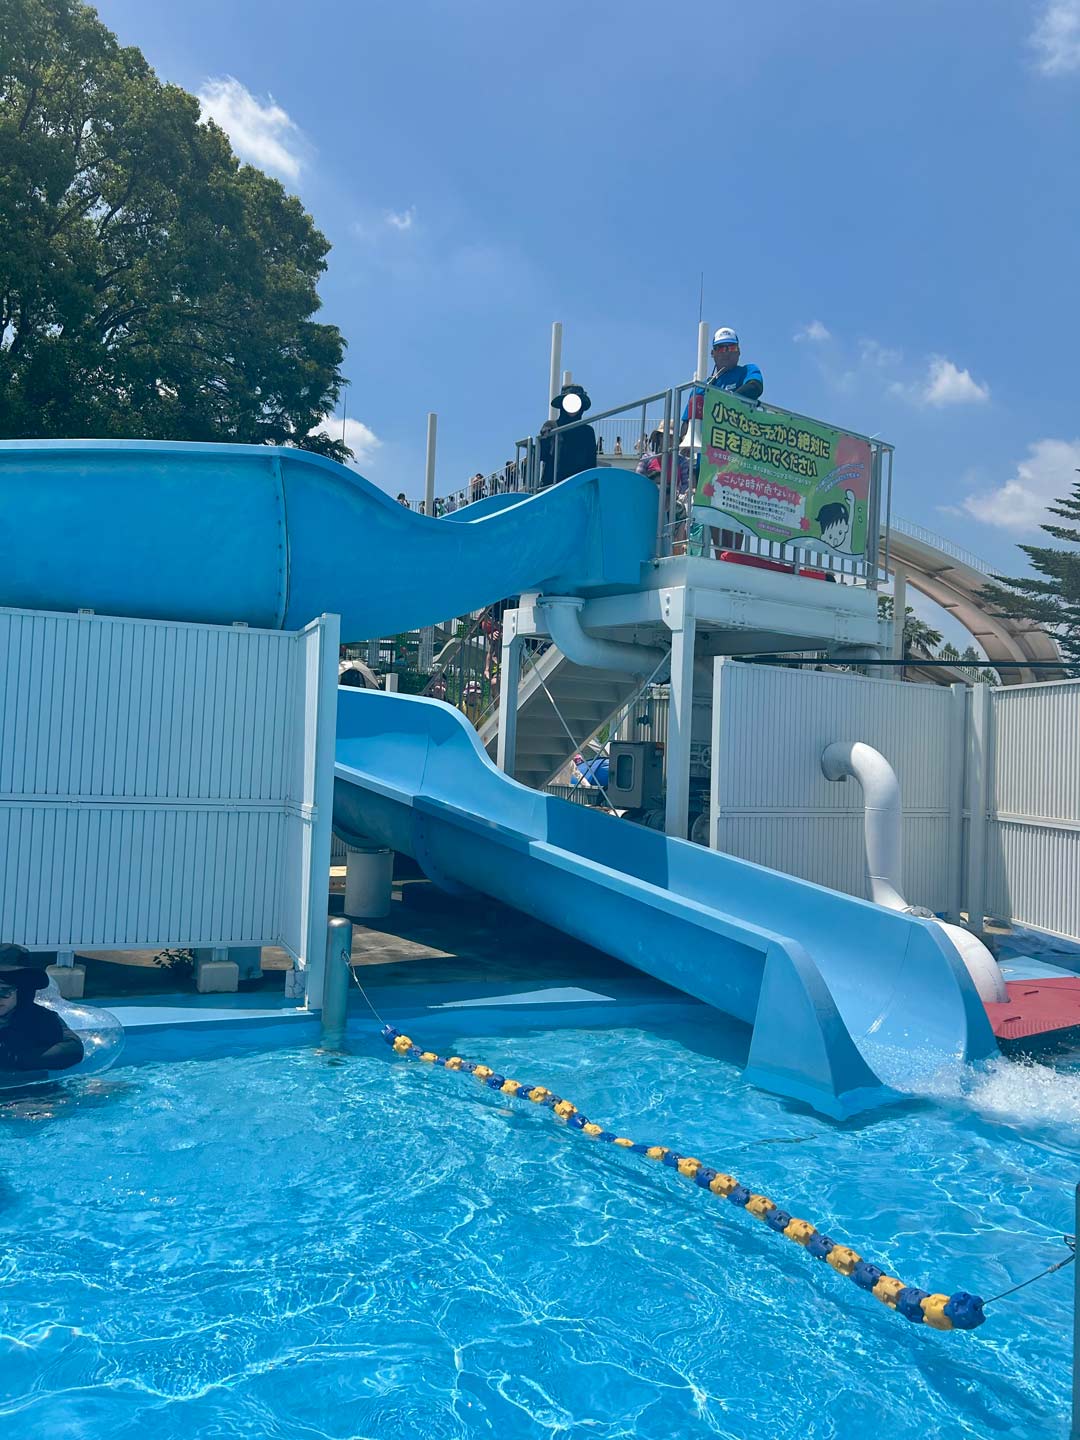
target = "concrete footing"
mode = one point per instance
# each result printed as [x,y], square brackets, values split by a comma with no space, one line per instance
[70,980]
[216,977]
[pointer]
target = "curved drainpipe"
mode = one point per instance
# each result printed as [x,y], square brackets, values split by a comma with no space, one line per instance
[563,616]
[882,831]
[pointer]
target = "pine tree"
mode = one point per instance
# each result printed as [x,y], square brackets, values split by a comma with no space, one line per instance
[1054,600]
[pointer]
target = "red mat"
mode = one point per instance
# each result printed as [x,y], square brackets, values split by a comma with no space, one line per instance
[1036,1007]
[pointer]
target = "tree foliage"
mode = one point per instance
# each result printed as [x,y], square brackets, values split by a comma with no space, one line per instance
[1052,601]
[150,285]
[919,637]
[923,641]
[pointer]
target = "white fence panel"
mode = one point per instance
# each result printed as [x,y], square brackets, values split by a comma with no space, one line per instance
[163,784]
[771,803]
[1033,840]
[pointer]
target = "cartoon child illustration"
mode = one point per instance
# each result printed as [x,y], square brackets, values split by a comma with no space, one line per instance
[835,520]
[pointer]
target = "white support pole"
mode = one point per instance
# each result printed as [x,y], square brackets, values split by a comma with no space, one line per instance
[955,838]
[509,677]
[978,774]
[702,368]
[567,378]
[716,752]
[429,464]
[680,719]
[556,366]
[899,612]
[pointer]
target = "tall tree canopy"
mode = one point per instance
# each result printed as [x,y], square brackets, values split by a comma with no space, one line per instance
[150,285]
[1053,601]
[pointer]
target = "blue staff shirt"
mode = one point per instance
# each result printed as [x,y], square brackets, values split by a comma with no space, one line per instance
[731,379]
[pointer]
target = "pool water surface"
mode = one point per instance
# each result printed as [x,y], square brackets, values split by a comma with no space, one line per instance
[292,1244]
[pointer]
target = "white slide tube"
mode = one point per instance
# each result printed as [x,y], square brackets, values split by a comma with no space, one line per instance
[562,614]
[883,815]
[882,830]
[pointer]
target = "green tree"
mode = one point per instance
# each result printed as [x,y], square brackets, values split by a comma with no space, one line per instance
[919,637]
[150,285]
[1052,601]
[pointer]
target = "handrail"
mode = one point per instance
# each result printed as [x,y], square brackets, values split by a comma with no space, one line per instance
[938,542]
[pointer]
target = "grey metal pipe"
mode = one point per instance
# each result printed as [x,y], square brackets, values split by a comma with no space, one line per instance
[336,975]
[562,614]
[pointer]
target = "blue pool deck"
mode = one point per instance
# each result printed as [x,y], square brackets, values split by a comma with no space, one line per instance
[429,961]
[433,958]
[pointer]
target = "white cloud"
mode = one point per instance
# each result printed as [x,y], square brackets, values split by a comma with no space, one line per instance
[260,132]
[401,219]
[360,438]
[872,352]
[814,331]
[1056,37]
[1020,504]
[945,384]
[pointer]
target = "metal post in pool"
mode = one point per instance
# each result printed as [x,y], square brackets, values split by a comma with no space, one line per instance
[336,977]
[1074,1433]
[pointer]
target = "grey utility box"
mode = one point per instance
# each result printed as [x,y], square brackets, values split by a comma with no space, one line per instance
[636,774]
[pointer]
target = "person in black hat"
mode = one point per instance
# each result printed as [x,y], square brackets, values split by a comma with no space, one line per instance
[31,1037]
[566,454]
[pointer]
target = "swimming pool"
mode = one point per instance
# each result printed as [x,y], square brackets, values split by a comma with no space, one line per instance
[290,1244]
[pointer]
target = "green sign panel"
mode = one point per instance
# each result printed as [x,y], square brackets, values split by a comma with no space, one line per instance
[782,478]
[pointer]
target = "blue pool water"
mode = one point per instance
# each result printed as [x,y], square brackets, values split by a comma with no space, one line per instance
[292,1246]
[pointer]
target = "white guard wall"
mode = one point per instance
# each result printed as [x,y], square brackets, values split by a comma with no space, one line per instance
[770,803]
[1033,831]
[164,784]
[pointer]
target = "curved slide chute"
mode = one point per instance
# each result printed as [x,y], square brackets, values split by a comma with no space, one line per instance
[818,975]
[274,537]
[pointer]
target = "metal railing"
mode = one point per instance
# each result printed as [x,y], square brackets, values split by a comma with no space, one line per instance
[652,427]
[656,427]
[466,673]
[938,542]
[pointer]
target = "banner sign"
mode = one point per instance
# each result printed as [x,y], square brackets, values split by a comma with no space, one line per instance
[782,478]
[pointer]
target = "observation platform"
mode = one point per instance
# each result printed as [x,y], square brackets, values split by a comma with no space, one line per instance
[738,607]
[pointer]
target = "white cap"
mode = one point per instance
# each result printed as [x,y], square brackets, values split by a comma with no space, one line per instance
[725,336]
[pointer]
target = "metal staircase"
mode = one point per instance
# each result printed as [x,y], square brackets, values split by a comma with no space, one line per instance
[586,700]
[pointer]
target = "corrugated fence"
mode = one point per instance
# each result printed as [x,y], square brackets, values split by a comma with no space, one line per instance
[164,784]
[1033,833]
[772,804]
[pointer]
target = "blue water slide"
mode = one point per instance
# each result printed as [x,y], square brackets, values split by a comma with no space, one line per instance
[818,976]
[272,536]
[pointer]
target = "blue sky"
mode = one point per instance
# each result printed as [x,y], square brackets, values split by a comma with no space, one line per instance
[882,197]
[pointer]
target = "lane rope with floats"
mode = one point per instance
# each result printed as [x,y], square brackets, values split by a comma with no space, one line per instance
[940,1312]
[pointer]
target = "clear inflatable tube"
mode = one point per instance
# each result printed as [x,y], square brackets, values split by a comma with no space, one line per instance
[101,1034]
